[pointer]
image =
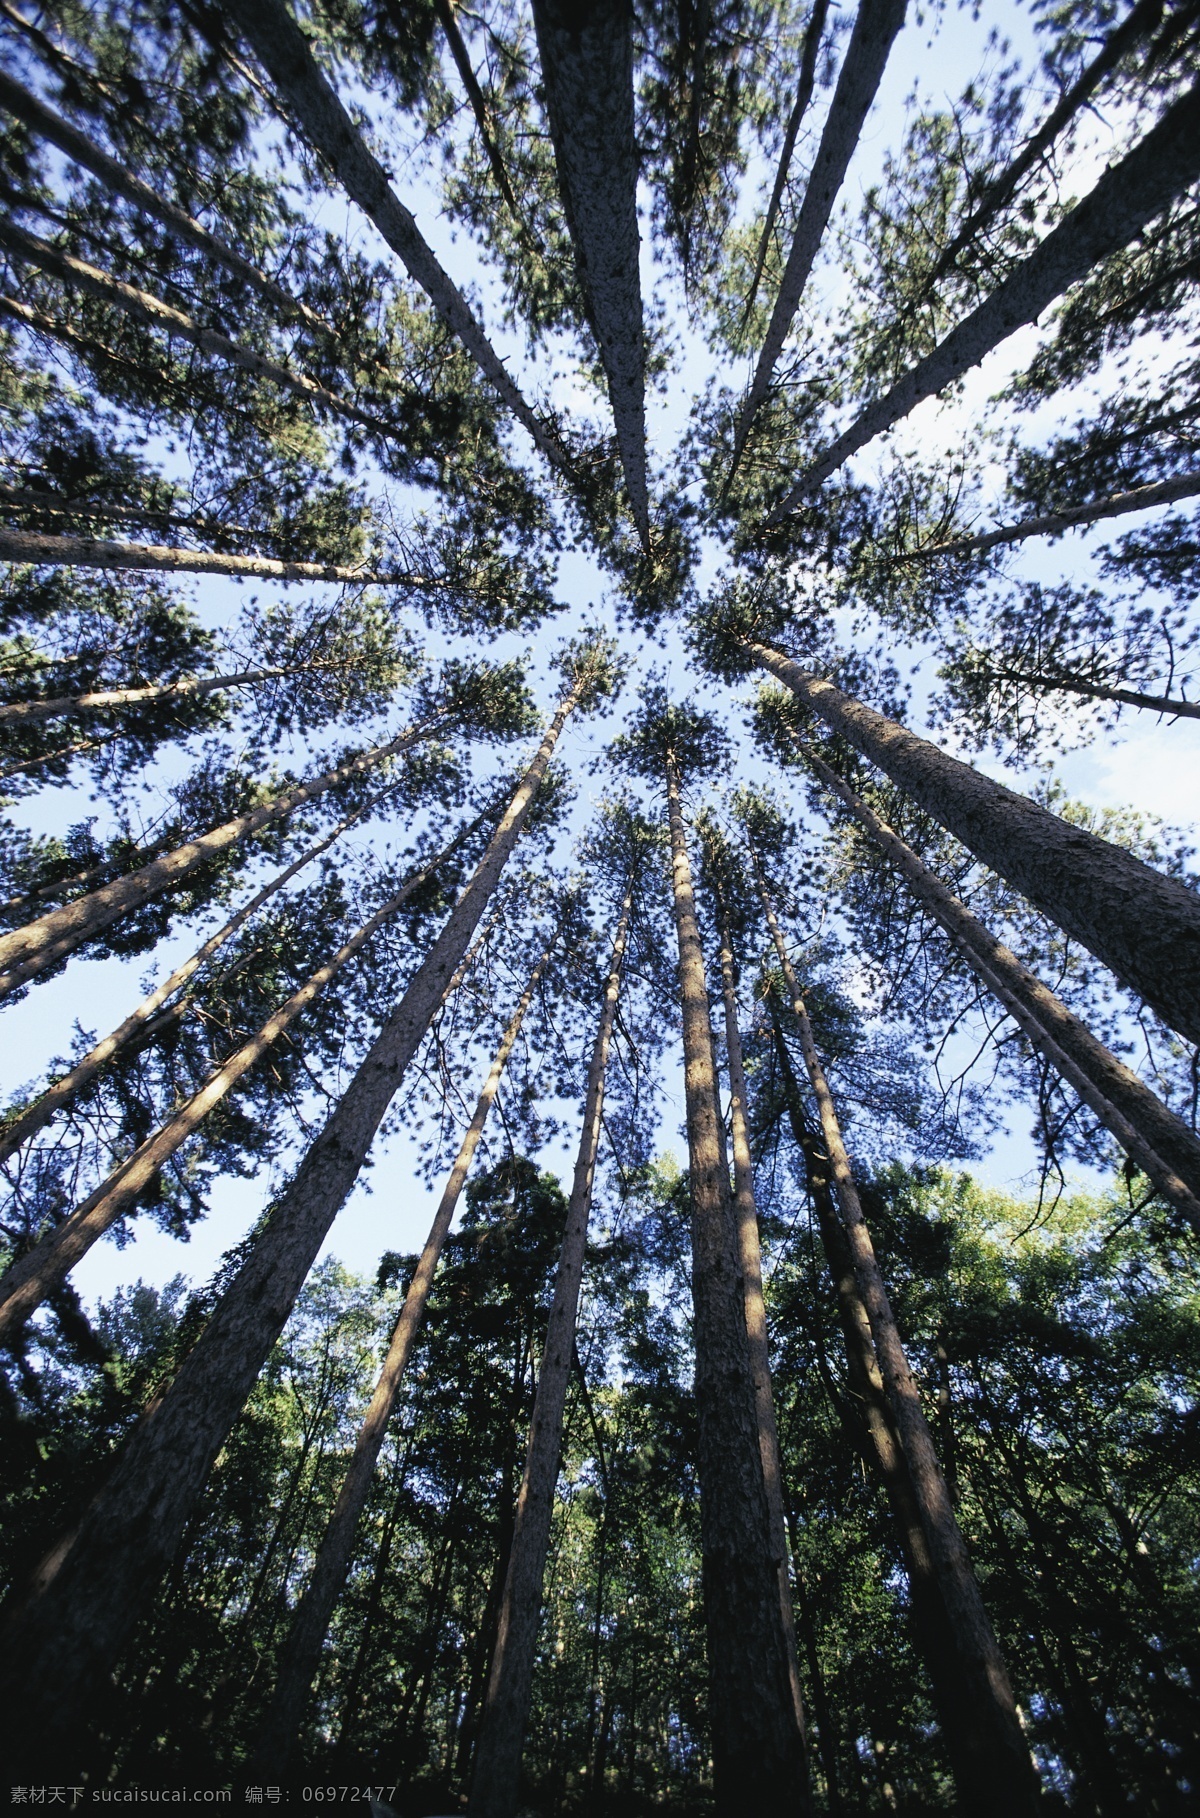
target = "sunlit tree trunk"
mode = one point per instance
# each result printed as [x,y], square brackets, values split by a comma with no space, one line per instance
[495,1780]
[1161,1143]
[875,26]
[82,1603]
[745,1213]
[80,149]
[587,69]
[42,549]
[302,1649]
[188,687]
[36,1274]
[34,1117]
[1013,1785]
[1144,926]
[1050,523]
[285,54]
[875,1434]
[758,1749]
[77,274]
[1129,194]
[42,943]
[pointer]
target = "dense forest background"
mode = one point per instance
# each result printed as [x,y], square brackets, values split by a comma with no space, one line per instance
[598,602]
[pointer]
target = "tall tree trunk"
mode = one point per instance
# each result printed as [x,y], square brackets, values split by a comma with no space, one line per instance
[39,1271]
[1171,706]
[1145,927]
[40,548]
[42,943]
[875,27]
[1123,38]
[587,70]
[1161,1143]
[1129,194]
[874,1433]
[70,1627]
[1049,523]
[77,274]
[480,109]
[758,1750]
[29,107]
[1012,1785]
[302,1650]
[188,687]
[495,1780]
[745,1213]
[804,88]
[285,54]
[37,1115]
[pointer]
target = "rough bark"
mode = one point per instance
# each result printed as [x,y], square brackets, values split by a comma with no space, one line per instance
[188,687]
[26,106]
[283,50]
[758,1750]
[1129,194]
[36,1274]
[1160,1143]
[82,1603]
[745,1215]
[29,950]
[1050,523]
[142,307]
[874,1432]
[1012,1786]
[42,549]
[1172,706]
[18,1130]
[1145,927]
[495,1782]
[804,88]
[875,27]
[587,69]
[302,1649]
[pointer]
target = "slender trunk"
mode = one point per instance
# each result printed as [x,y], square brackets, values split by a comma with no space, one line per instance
[745,1214]
[188,687]
[758,1750]
[34,112]
[875,27]
[804,88]
[479,106]
[1012,1786]
[1175,708]
[874,1433]
[62,505]
[285,54]
[1049,523]
[36,1116]
[822,1710]
[1123,38]
[496,1778]
[72,1624]
[77,274]
[29,950]
[1161,1143]
[1145,927]
[75,749]
[302,1650]
[587,70]
[40,548]
[36,1274]
[88,348]
[1129,194]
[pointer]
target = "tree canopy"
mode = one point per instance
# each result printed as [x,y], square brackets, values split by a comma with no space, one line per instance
[598,605]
